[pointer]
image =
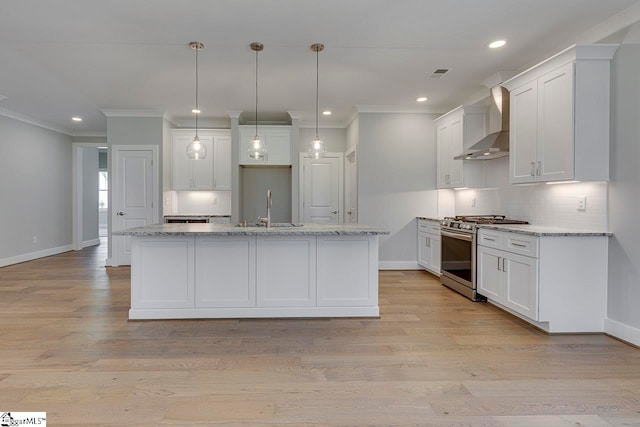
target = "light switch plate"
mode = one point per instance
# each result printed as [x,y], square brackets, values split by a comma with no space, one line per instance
[582,203]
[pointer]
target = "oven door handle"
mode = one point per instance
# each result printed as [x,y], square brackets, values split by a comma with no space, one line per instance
[466,237]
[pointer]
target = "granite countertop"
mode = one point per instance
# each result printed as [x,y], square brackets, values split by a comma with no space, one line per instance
[427,218]
[197,216]
[543,230]
[307,229]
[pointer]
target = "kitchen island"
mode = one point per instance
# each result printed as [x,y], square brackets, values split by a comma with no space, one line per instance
[226,271]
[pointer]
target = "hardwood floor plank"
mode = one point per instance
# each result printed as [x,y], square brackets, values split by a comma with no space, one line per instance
[433,358]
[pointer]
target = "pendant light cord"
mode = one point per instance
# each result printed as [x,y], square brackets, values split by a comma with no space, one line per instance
[256,136]
[317,85]
[197,108]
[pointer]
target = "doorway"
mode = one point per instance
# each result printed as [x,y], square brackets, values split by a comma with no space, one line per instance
[85,215]
[321,189]
[135,196]
[351,187]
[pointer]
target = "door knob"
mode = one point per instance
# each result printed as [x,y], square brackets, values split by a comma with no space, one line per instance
[348,212]
[120,213]
[334,212]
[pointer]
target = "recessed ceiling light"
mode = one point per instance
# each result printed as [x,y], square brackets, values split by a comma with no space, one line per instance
[195,111]
[76,119]
[326,113]
[422,99]
[497,44]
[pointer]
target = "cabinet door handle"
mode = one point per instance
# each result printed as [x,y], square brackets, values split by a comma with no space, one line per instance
[486,238]
[428,242]
[499,263]
[520,245]
[539,168]
[533,168]
[504,265]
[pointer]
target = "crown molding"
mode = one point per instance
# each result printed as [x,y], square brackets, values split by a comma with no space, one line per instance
[220,123]
[234,114]
[295,114]
[360,108]
[35,122]
[89,134]
[127,112]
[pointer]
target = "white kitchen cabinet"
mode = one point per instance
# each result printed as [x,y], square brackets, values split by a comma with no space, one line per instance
[188,174]
[456,131]
[286,271]
[429,249]
[162,268]
[211,173]
[556,282]
[509,279]
[225,271]
[277,140]
[559,124]
[347,259]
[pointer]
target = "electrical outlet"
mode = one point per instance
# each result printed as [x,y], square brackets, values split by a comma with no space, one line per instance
[473,202]
[34,240]
[582,203]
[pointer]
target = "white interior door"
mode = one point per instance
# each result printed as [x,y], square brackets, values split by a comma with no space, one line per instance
[351,187]
[322,188]
[133,196]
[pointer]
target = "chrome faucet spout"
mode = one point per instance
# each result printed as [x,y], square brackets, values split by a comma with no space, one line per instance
[267,220]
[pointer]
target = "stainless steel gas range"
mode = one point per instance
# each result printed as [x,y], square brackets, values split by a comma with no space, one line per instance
[458,265]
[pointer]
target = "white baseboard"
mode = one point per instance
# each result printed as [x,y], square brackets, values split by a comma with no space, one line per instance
[399,265]
[34,255]
[87,243]
[620,330]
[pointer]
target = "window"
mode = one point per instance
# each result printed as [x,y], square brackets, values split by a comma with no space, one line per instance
[103,189]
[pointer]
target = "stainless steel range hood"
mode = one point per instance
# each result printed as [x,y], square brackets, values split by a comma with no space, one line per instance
[495,144]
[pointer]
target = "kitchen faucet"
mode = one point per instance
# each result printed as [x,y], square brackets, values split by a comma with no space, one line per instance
[267,220]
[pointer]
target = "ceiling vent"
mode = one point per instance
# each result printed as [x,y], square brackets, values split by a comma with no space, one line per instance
[439,72]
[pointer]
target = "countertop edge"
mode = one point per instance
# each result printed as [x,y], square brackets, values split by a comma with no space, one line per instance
[540,232]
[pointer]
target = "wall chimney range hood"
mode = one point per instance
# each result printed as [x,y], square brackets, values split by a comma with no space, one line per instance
[495,144]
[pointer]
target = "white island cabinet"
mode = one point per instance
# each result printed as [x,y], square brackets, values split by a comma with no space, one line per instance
[224,271]
[555,279]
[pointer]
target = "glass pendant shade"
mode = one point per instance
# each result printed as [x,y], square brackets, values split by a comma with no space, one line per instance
[257,149]
[317,148]
[196,150]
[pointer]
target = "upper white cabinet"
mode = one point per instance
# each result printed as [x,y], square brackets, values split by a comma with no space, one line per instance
[277,140]
[455,131]
[559,126]
[211,173]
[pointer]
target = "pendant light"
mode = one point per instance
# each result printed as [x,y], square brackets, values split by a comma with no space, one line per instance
[196,150]
[257,148]
[317,148]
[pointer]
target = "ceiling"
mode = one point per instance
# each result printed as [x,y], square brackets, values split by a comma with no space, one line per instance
[67,58]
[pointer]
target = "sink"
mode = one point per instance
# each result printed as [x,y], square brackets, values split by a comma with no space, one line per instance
[273,225]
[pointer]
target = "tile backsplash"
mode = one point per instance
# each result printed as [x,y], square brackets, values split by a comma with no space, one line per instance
[197,202]
[540,204]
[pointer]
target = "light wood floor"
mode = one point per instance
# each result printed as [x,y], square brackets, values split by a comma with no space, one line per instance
[433,358]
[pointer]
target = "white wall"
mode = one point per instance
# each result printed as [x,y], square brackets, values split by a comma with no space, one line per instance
[334,139]
[198,203]
[89,196]
[135,131]
[35,189]
[396,178]
[540,204]
[623,299]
